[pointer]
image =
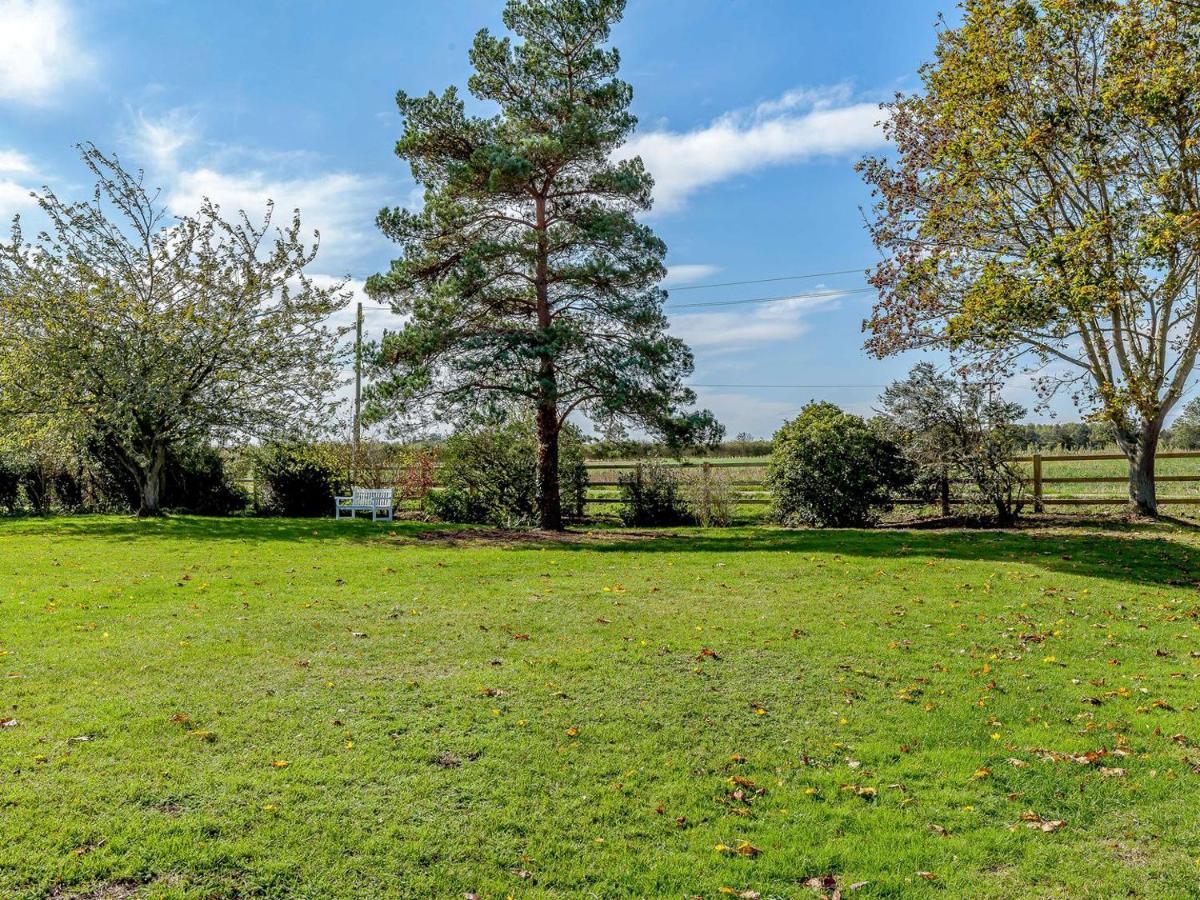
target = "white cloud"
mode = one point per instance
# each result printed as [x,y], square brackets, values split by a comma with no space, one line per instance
[15,163]
[688,273]
[39,52]
[744,412]
[14,198]
[161,140]
[746,326]
[800,125]
[340,205]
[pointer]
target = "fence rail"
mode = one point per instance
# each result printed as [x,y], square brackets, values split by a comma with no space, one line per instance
[1037,480]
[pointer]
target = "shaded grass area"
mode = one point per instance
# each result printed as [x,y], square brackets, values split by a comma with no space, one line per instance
[220,708]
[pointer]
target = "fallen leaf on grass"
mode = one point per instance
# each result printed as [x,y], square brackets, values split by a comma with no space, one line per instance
[204,735]
[1037,823]
[280,764]
[9,723]
[1108,772]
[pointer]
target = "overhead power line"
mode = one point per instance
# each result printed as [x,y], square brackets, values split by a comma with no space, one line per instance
[697,287]
[821,386]
[805,296]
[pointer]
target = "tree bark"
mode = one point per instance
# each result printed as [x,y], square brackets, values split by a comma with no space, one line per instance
[1140,450]
[549,501]
[152,482]
[944,493]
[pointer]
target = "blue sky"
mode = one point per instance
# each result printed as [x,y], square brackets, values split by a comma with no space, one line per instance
[752,114]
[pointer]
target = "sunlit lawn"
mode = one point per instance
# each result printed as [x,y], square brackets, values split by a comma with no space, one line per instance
[234,708]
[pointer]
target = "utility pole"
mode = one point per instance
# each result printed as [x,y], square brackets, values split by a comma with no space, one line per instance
[358,380]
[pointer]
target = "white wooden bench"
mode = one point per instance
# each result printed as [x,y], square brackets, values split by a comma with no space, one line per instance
[377,501]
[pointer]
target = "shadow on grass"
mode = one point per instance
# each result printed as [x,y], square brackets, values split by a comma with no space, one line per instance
[1131,552]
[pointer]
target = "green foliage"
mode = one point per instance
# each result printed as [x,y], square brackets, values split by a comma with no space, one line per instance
[528,276]
[10,484]
[1043,202]
[708,494]
[830,468]
[153,334]
[652,494]
[955,430]
[1185,432]
[198,482]
[296,479]
[489,474]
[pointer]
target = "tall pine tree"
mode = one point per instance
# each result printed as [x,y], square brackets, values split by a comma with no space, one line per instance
[526,277]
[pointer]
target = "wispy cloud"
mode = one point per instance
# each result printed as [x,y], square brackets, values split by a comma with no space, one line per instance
[40,53]
[339,204]
[800,125]
[15,189]
[14,163]
[162,139]
[688,273]
[743,327]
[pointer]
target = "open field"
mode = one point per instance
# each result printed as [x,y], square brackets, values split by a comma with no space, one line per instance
[241,708]
[749,474]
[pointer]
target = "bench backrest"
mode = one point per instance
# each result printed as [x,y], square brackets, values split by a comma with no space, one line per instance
[371,496]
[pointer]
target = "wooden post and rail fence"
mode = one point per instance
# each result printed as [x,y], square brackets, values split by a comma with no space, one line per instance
[753,491]
[750,488]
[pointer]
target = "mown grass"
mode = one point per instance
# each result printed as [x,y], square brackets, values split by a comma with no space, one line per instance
[221,708]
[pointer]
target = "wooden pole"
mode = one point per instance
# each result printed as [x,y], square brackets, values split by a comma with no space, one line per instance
[1038,505]
[358,379]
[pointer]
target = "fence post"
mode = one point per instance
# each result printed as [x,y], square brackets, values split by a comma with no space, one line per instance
[1038,505]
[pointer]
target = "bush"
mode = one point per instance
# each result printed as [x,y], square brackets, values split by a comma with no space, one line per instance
[651,494]
[197,482]
[296,479]
[955,432]
[830,468]
[10,484]
[708,496]
[489,475]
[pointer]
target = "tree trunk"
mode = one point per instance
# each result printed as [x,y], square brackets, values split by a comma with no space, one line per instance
[1141,450]
[152,482]
[944,493]
[549,501]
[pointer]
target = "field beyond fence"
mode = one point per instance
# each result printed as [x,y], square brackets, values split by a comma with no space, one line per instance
[1054,479]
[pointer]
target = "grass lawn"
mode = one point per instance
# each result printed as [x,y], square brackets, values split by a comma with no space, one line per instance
[241,708]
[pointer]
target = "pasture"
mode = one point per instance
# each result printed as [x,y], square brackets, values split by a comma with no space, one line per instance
[240,708]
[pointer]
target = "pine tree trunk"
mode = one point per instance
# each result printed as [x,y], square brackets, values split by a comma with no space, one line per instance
[549,502]
[1141,450]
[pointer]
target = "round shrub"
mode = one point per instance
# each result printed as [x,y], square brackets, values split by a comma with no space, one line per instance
[830,468]
[296,479]
[651,494]
[489,475]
